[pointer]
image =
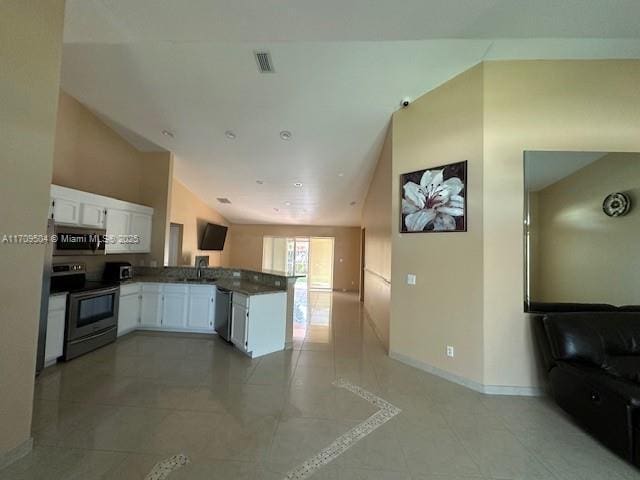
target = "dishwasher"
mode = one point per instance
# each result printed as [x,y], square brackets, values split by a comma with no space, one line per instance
[222,321]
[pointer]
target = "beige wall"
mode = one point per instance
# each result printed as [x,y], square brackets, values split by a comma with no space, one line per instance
[445,306]
[246,248]
[193,214]
[469,290]
[376,220]
[90,156]
[578,241]
[538,105]
[30,53]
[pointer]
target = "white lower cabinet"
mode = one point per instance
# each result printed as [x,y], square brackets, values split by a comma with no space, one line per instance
[259,323]
[201,307]
[174,306]
[54,343]
[239,324]
[151,305]
[129,309]
[171,307]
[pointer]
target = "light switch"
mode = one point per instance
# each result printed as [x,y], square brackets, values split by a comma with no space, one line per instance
[411,279]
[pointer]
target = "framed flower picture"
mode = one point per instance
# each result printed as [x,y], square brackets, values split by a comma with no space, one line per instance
[434,200]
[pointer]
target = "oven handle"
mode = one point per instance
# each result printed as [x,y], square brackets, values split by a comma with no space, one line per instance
[91,337]
[94,293]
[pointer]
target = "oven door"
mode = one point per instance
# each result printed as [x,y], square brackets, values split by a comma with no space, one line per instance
[79,241]
[91,312]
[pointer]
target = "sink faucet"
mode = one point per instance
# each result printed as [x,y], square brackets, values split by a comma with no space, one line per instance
[200,264]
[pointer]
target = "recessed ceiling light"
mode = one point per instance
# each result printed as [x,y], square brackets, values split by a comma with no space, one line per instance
[285,135]
[341,174]
[288,204]
[297,184]
[259,182]
[167,133]
[230,135]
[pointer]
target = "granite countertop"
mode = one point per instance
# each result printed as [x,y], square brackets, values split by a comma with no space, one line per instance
[235,285]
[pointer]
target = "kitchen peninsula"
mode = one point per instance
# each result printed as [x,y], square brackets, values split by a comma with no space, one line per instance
[187,299]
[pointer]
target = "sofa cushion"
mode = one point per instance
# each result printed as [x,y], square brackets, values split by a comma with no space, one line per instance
[573,340]
[592,337]
[623,366]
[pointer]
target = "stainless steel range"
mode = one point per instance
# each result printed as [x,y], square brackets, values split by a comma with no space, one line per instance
[92,309]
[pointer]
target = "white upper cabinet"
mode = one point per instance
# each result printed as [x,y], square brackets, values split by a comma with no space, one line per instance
[129,225]
[118,225]
[140,227]
[66,211]
[93,215]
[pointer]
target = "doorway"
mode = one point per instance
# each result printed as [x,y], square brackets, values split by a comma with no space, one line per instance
[175,244]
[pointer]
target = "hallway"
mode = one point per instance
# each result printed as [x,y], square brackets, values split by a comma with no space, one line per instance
[115,413]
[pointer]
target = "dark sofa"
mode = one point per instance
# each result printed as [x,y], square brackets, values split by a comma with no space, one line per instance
[593,365]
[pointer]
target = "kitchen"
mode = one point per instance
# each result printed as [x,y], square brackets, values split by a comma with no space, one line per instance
[82,310]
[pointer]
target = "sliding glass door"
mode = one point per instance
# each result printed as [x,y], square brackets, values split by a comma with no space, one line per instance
[311,257]
[321,263]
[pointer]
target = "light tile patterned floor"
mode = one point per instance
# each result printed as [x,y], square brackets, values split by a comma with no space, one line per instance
[117,412]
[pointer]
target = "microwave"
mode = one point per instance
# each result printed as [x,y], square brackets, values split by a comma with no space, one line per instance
[79,241]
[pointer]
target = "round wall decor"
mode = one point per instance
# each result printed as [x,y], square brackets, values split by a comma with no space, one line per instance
[616,204]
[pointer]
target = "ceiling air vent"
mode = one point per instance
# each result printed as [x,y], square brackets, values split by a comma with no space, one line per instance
[223,200]
[265,65]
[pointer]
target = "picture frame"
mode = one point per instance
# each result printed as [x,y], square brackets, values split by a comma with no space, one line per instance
[434,199]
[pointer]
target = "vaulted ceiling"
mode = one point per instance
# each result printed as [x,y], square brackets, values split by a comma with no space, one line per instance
[341,69]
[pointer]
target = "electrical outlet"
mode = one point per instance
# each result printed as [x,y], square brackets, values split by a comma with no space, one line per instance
[236,274]
[411,279]
[277,283]
[450,351]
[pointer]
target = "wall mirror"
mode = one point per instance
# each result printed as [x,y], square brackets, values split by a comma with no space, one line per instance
[581,229]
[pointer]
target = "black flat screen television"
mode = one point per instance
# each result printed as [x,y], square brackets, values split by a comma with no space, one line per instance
[213,237]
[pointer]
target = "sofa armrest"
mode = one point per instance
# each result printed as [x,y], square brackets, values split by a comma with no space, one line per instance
[603,404]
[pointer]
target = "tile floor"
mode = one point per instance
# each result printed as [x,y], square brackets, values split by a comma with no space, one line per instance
[114,413]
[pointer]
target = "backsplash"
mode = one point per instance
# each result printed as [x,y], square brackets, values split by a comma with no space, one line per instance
[214,272]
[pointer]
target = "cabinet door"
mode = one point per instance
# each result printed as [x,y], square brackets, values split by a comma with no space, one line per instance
[174,310]
[66,211]
[239,317]
[141,226]
[54,343]
[92,215]
[200,311]
[117,226]
[128,313]
[150,310]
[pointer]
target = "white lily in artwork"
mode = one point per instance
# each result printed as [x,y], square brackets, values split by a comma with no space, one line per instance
[434,201]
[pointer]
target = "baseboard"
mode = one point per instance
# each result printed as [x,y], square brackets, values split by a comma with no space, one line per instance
[16,453]
[465,382]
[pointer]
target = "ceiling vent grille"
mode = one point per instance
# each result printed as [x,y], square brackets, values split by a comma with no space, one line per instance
[265,65]
[223,200]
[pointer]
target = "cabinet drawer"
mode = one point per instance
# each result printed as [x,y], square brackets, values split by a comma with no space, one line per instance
[151,287]
[129,289]
[241,299]
[57,302]
[173,288]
